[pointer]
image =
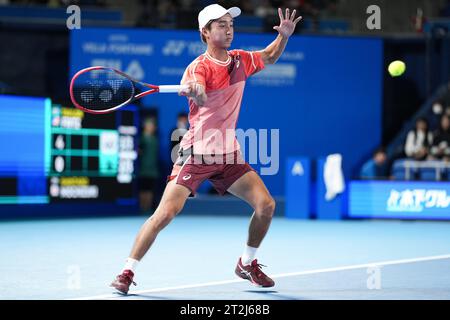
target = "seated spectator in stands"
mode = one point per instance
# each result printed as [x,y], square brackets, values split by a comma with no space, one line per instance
[377,167]
[419,141]
[441,141]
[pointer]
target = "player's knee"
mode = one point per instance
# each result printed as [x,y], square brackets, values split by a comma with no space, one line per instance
[266,207]
[169,211]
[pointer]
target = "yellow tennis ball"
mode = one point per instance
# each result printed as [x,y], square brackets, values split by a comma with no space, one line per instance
[397,68]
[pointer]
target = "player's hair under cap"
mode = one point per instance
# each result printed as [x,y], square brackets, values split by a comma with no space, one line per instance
[215,11]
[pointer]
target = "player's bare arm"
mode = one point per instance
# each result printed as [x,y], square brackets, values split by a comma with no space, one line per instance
[286,28]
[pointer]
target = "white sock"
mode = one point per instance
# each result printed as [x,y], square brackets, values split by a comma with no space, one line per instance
[130,264]
[249,255]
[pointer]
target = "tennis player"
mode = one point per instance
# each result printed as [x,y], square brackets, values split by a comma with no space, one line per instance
[216,82]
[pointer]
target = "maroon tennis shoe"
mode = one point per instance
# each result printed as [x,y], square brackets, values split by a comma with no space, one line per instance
[253,273]
[123,281]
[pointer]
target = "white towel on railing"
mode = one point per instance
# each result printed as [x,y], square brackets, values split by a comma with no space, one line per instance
[333,176]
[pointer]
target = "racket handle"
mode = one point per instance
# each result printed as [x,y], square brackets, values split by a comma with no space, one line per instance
[172,88]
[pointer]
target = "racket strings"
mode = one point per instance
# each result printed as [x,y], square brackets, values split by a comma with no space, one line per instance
[102,89]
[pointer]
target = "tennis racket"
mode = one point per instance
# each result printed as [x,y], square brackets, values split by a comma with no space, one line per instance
[101,90]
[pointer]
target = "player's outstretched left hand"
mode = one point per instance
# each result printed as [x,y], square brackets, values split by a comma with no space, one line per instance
[287,23]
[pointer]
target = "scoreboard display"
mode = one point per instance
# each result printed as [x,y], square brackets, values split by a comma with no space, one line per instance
[53,153]
[92,156]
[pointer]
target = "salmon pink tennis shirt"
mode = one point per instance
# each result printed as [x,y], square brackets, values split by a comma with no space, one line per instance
[213,126]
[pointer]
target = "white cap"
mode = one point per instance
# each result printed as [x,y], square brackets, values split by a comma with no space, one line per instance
[215,11]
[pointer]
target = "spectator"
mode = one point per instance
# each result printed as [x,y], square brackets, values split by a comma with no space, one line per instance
[178,133]
[437,111]
[377,167]
[441,140]
[419,141]
[149,169]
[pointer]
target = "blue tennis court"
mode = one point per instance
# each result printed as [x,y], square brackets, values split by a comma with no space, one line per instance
[195,256]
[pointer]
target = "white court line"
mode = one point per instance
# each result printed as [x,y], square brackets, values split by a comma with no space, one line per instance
[281,275]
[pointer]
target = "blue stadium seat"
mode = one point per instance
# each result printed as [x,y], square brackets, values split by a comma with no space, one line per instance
[433,171]
[398,174]
[398,169]
[428,174]
[402,170]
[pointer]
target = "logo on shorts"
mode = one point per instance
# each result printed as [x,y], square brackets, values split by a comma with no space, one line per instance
[187,177]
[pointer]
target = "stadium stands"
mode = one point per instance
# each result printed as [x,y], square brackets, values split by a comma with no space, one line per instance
[430,170]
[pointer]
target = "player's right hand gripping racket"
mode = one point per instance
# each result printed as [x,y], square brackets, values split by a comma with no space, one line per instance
[101,90]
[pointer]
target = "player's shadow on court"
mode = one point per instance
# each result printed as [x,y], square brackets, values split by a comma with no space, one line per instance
[143,296]
[274,294]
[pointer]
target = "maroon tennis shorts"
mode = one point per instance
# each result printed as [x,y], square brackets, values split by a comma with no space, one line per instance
[221,170]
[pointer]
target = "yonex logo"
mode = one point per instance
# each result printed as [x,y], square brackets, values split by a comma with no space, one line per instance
[187,177]
[178,47]
[174,48]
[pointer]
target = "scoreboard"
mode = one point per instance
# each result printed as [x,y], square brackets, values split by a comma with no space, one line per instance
[92,156]
[53,153]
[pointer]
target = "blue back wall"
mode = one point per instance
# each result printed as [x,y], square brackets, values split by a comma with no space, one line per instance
[324,94]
